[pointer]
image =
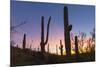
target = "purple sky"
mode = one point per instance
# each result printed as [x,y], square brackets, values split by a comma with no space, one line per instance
[81,17]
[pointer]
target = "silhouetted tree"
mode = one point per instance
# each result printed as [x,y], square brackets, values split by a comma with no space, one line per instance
[93,34]
[83,36]
[12,43]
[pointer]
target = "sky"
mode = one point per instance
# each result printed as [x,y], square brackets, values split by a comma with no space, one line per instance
[82,18]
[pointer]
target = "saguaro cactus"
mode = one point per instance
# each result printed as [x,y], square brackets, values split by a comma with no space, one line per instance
[56,50]
[17,46]
[61,48]
[30,46]
[48,48]
[67,29]
[24,41]
[38,48]
[43,43]
[76,46]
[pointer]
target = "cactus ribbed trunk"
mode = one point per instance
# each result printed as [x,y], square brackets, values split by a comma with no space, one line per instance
[67,29]
[43,43]
[42,35]
[76,46]
[24,41]
[76,49]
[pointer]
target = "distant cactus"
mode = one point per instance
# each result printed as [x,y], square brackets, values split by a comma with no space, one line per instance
[61,48]
[30,46]
[24,41]
[76,45]
[17,46]
[38,48]
[56,50]
[48,48]
[67,29]
[43,43]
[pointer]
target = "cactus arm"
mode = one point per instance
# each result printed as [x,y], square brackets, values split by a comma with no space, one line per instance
[47,31]
[69,27]
[42,30]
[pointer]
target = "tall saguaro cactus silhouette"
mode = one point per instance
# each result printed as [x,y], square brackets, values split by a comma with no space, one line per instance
[76,45]
[43,43]
[67,29]
[24,41]
[61,48]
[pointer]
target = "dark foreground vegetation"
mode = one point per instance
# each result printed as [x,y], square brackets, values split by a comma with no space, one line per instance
[20,57]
